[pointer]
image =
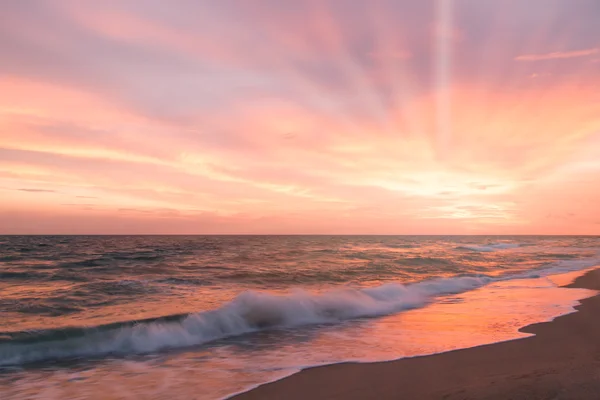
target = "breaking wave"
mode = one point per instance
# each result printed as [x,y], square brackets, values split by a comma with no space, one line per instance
[249,312]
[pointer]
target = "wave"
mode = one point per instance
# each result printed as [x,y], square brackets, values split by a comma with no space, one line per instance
[249,312]
[489,247]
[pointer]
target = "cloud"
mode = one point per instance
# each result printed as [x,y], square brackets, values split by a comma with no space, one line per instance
[558,55]
[36,190]
[134,210]
[397,54]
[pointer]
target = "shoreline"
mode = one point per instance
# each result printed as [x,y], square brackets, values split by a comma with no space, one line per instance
[561,361]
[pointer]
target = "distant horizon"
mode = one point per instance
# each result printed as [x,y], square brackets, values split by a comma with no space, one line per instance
[293,234]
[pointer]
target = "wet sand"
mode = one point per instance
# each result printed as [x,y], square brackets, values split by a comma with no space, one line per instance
[561,362]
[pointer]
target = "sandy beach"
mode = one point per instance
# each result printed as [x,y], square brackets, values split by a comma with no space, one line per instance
[562,361]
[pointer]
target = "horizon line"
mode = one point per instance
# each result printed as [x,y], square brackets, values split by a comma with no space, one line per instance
[292,234]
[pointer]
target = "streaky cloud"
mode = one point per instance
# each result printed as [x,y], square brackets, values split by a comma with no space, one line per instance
[557,55]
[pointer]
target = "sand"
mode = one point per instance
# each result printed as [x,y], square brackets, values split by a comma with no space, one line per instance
[561,362]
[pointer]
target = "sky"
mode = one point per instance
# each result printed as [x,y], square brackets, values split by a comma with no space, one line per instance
[300,117]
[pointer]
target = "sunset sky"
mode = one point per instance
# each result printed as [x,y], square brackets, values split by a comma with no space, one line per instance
[304,116]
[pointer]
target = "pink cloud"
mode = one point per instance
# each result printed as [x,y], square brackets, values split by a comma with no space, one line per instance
[557,55]
[398,54]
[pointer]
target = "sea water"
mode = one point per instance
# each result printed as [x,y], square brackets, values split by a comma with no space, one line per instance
[204,317]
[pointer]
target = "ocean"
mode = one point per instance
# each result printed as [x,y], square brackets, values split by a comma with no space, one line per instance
[205,317]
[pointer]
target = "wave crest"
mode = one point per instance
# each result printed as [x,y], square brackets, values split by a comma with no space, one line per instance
[249,312]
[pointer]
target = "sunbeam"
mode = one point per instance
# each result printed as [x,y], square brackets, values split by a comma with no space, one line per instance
[444,34]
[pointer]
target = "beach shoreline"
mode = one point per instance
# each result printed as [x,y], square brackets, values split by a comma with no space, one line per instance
[561,361]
